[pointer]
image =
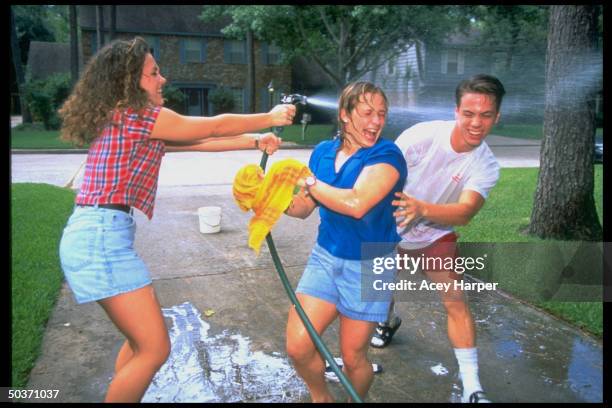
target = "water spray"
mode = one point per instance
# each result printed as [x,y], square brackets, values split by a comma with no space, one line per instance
[324,102]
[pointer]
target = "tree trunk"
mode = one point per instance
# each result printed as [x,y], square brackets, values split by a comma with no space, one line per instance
[26,117]
[564,207]
[74,45]
[100,26]
[250,72]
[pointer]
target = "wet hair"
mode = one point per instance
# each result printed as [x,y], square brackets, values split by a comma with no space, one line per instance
[110,81]
[350,97]
[482,84]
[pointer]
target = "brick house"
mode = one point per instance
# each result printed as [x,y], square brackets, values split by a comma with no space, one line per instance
[193,56]
[48,58]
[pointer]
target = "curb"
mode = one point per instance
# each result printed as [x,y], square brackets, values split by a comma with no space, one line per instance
[48,151]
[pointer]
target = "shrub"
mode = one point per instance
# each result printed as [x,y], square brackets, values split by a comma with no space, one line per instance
[222,100]
[40,105]
[45,96]
[174,98]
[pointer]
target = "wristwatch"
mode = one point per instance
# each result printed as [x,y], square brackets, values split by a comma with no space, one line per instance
[310,181]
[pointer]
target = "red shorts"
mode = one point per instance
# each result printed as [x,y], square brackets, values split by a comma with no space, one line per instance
[439,256]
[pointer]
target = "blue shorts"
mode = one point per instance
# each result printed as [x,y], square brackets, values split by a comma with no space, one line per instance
[339,281]
[97,254]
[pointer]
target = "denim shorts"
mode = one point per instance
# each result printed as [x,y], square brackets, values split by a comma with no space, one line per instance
[97,254]
[339,281]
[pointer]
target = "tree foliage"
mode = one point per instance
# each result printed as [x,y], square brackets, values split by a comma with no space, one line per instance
[518,34]
[45,96]
[344,41]
[174,98]
[524,27]
[39,23]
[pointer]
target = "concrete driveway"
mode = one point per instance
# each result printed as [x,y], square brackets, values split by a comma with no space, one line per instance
[226,312]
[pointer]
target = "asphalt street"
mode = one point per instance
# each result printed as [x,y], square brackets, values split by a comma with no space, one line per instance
[214,172]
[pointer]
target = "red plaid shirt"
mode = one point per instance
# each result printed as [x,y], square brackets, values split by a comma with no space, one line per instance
[123,163]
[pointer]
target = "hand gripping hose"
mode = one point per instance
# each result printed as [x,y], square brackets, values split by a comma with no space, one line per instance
[307,324]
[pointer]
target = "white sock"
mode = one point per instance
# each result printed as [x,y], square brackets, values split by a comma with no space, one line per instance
[468,371]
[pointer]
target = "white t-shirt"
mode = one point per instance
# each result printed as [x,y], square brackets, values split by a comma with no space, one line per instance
[438,174]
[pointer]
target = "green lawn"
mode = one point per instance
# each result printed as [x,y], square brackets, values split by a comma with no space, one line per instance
[502,219]
[38,215]
[35,137]
[312,136]
[518,131]
[525,131]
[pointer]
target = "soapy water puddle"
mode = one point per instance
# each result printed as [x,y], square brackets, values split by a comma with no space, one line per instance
[223,368]
[220,368]
[439,369]
[456,392]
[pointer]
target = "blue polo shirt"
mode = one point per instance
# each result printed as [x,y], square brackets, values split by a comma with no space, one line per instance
[340,234]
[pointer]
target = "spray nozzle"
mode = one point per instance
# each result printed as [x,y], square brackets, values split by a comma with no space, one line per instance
[294,99]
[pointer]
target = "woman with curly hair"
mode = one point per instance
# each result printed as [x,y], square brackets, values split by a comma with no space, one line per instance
[117,107]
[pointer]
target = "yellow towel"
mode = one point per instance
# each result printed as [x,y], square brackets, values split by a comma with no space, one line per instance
[268,196]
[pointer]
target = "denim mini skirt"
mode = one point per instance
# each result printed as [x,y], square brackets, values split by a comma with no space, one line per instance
[97,254]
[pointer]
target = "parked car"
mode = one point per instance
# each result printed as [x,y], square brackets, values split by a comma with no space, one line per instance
[598,156]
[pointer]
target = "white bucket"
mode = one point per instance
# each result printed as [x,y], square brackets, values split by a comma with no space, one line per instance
[210,219]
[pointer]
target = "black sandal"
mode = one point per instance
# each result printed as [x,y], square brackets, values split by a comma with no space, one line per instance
[331,375]
[478,397]
[384,333]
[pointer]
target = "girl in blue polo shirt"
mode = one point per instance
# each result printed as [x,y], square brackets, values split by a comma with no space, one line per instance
[355,178]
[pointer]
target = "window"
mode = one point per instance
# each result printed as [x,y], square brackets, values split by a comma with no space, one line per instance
[499,63]
[391,66]
[196,101]
[234,52]
[409,74]
[238,94]
[94,43]
[452,62]
[193,50]
[153,44]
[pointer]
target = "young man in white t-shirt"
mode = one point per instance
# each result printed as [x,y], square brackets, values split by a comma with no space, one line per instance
[450,173]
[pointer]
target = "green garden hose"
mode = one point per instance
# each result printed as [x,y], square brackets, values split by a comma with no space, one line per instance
[300,311]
